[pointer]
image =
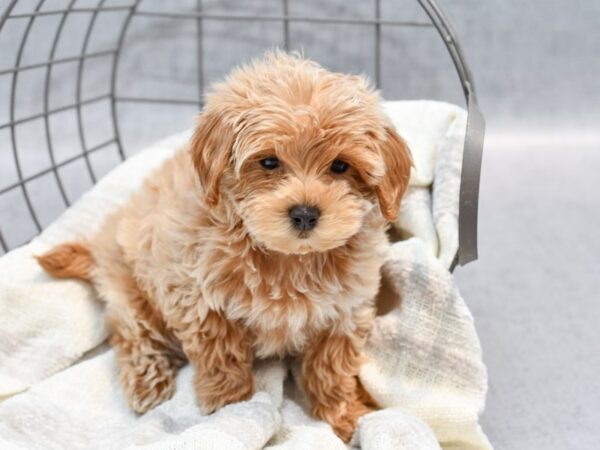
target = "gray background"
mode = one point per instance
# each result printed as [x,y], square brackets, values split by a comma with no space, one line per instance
[535,291]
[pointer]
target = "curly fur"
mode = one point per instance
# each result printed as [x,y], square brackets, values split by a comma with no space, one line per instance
[202,263]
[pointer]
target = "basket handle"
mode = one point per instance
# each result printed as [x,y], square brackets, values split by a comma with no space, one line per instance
[473,146]
[469,181]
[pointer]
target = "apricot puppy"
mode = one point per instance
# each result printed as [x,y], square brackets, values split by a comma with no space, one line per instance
[263,237]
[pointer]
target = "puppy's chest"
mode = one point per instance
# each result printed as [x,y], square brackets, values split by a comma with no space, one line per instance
[284,314]
[285,324]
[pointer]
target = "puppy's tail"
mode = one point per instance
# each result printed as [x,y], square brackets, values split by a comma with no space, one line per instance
[69,260]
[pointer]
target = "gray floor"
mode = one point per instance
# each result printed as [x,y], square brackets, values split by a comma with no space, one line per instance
[535,292]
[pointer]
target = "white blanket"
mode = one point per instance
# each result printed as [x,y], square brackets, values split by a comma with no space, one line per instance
[58,380]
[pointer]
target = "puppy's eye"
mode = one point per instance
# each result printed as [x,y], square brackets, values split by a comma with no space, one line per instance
[339,166]
[270,163]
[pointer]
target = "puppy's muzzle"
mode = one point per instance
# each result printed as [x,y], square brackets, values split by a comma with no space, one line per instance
[304,217]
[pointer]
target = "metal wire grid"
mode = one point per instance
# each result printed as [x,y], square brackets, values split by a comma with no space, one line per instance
[135,10]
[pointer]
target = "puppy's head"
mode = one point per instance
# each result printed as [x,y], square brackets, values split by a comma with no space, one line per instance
[302,154]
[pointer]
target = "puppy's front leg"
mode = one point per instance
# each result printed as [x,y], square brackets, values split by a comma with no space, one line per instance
[221,354]
[330,373]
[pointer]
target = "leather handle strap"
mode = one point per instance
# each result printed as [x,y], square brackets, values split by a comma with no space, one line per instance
[473,146]
[469,182]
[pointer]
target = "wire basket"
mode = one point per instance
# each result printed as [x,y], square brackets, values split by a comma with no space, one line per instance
[73,103]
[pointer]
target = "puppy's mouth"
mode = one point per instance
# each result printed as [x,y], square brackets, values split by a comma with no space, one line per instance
[303,230]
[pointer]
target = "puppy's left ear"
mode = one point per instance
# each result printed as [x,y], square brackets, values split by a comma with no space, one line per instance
[398,163]
[210,148]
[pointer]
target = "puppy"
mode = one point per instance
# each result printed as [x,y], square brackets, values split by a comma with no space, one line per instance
[263,237]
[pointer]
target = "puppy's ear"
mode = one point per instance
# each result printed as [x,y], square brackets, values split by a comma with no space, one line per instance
[211,151]
[398,163]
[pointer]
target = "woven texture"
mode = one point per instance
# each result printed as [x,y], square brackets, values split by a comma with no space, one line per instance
[424,361]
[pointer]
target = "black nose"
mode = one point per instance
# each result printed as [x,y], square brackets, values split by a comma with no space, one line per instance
[304,217]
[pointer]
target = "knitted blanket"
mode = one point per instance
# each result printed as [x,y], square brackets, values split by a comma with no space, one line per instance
[58,379]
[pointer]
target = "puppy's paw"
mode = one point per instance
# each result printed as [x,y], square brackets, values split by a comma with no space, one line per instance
[220,390]
[345,418]
[148,383]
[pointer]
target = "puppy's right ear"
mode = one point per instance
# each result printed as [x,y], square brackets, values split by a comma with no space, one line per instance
[398,164]
[211,151]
